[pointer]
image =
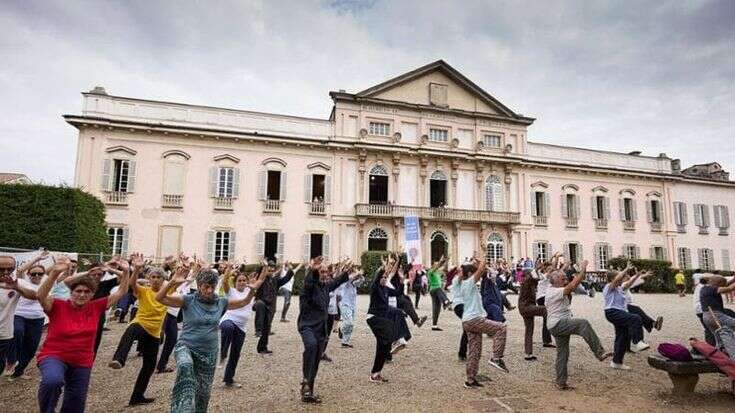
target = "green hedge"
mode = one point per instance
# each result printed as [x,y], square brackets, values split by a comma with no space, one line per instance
[662,280]
[690,281]
[58,218]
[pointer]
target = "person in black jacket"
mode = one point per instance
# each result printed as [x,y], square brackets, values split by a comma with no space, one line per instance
[264,307]
[312,321]
[402,300]
[381,318]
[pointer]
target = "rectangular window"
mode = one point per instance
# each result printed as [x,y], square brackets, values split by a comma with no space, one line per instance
[379,128]
[570,205]
[271,246]
[627,209]
[684,258]
[115,238]
[600,203]
[602,256]
[725,260]
[121,174]
[273,186]
[317,188]
[492,141]
[221,246]
[706,259]
[438,135]
[657,253]
[655,212]
[542,250]
[540,203]
[631,252]
[225,182]
[316,245]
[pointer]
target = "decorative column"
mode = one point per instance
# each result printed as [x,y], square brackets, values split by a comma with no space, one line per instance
[361,168]
[426,243]
[424,162]
[396,173]
[480,192]
[454,165]
[455,244]
[508,180]
[397,223]
[361,247]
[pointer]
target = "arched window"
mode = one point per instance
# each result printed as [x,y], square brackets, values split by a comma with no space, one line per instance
[495,247]
[377,240]
[493,194]
[438,175]
[438,189]
[439,245]
[378,185]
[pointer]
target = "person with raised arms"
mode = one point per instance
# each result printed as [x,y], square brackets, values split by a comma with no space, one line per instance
[562,325]
[628,327]
[196,350]
[67,354]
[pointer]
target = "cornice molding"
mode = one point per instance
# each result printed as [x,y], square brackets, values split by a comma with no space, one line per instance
[176,152]
[318,165]
[274,160]
[121,148]
[227,156]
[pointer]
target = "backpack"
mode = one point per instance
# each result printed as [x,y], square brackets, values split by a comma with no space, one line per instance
[674,352]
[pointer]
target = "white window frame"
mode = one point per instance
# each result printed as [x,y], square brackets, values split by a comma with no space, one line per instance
[440,135]
[221,246]
[602,258]
[542,247]
[489,140]
[495,247]
[116,237]
[630,251]
[683,255]
[707,259]
[379,128]
[494,194]
[725,254]
[120,175]
[225,182]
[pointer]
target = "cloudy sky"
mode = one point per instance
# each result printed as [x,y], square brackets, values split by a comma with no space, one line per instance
[655,76]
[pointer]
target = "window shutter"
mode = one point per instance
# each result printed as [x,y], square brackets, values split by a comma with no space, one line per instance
[235,182]
[677,213]
[660,211]
[547,207]
[705,216]
[716,213]
[262,176]
[608,249]
[213,181]
[325,247]
[725,260]
[549,251]
[621,208]
[577,213]
[664,254]
[637,252]
[564,206]
[327,189]
[595,215]
[131,176]
[649,213]
[725,216]
[580,254]
[598,264]
[259,245]
[231,250]
[533,204]
[684,217]
[624,250]
[566,251]
[306,244]
[210,247]
[279,250]
[697,215]
[124,243]
[535,251]
[688,254]
[106,181]
[633,209]
[308,179]
[282,195]
[606,207]
[700,258]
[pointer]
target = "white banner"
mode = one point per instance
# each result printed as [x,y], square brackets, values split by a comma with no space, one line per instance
[23,257]
[412,236]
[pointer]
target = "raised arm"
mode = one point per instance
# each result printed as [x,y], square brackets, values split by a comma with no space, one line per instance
[137,262]
[21,271]
[124,283]
[578,278]
[631,281]
[618,280]
[235,304]
[42,295]
[166,296]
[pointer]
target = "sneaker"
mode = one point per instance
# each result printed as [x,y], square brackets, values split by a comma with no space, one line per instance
[265,353]
[142,400]
[377,378]
[659,322]
[591,293]
[421,322]
[549,345]
[166,370]
[640,346]
[398,346]
[114,364]
[605,356]
[221,363]
[435,328]
[310,397]
[347,345]
[447,305]
[9,369]
[564,387]
[232,385]
[498,364]
[472,384]
[326,358]
[117,313]
[530,357]
[619,366]
[283,320]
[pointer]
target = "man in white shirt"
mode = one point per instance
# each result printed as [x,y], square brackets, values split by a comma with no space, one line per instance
[562,326]
[286,291]
[10,292]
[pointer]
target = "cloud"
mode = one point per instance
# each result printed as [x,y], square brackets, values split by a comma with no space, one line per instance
[656,77]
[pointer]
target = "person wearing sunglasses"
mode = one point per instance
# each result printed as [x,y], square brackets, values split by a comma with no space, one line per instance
[11,289]
[28,323]
[67,354]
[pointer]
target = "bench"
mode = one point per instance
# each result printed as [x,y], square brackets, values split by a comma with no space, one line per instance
[683,374]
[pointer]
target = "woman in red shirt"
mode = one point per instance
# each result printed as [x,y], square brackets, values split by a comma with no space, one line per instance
[67,355]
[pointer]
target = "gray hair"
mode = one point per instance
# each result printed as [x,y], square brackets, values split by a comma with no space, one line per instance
[207,277]
[157,270]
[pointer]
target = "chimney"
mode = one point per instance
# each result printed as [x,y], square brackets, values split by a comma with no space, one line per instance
[676,166]
[98,90]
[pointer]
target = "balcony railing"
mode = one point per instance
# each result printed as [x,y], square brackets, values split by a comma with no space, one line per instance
[723,231]
[682,229]
[437,214]
[540,221]
[317,208]
[629,225]
[656,227]
[704,230]
[600,223]
[223,202]
[116,198]
[172,201]
[272,205]
[572,222]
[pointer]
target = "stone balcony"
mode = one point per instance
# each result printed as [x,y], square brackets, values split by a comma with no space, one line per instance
[437,214]
[272,206]
[601,224]
[116,198]
[172,201]
[629,225]
[656,227]
[541,221]
[223,203]
[317,208]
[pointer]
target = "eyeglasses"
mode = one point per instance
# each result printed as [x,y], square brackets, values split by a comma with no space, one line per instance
[36,274]
[6,269]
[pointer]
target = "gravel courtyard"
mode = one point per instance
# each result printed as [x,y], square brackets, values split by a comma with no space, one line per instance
[427,375]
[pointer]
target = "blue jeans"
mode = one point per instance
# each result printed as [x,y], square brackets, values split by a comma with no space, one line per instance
[628,329]
[232,339]
[27,335]
[55,375]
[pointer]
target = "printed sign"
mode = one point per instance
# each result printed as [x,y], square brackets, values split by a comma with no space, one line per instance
[412,239]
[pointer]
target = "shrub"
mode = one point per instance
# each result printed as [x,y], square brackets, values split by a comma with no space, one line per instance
[370,262]
[690,280]
[58,218]
[662,280]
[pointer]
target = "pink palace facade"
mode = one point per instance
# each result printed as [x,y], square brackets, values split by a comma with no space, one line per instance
[234,184]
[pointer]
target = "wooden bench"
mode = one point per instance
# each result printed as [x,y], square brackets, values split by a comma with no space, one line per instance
[683,374]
